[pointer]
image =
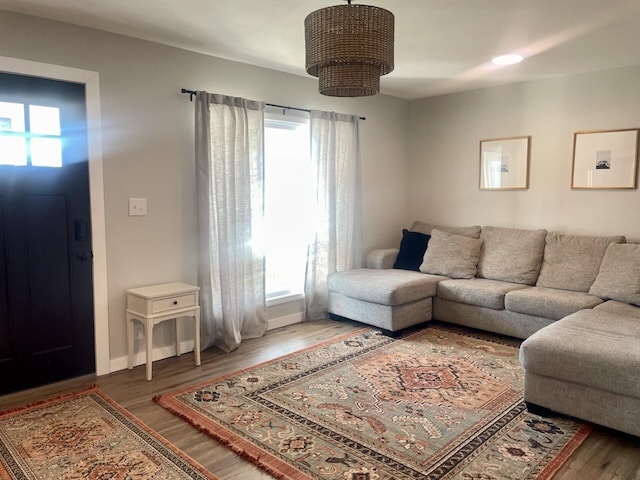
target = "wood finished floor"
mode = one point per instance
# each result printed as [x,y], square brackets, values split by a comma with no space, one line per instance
[605,455]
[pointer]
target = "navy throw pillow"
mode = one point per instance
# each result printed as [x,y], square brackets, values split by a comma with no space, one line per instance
[412,248]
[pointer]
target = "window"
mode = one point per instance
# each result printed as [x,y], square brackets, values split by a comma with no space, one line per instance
[30,135]
[287,224]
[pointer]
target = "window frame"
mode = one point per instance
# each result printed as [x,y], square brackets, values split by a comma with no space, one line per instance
[284,120]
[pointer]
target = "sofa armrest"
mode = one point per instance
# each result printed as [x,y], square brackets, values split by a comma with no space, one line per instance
[383,258]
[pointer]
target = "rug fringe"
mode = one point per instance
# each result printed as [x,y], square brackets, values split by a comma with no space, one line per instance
[61,397]
[241,447]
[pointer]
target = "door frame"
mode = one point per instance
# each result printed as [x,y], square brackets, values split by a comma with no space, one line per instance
[96,188]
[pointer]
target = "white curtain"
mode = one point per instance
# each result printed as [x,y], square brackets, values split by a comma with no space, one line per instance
[229,185]
[336,245]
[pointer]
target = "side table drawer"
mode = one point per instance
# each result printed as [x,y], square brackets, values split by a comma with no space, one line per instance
[173,303]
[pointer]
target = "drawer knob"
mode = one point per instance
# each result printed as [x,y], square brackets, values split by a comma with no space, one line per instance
[175,302]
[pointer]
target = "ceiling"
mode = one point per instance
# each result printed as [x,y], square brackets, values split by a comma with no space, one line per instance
[441,46]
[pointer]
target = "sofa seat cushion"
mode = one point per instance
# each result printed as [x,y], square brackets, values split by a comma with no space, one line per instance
[590,347]
[477,291]
[549,302]
[511,254]
[572,262]
[386,287]
[620,308]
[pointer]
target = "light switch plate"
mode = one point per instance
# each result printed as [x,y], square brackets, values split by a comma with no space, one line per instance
[137,207]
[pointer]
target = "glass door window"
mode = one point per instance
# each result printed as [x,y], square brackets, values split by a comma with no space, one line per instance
[30,135]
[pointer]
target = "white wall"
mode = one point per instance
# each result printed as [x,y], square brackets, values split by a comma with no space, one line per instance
[444,141]
[148,137]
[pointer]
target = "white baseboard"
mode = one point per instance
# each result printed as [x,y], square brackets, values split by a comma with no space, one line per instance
[284,321]
[161,353]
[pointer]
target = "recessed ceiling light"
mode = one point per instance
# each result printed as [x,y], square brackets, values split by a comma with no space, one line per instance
[507,59]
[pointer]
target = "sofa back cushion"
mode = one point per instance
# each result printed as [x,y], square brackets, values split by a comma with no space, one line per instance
[572,262]
[511,254]
[454,256]
[471,231]
[619,275]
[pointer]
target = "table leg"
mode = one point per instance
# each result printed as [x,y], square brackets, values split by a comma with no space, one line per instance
[149,336]
[130,331]
[177,324]
[196,335]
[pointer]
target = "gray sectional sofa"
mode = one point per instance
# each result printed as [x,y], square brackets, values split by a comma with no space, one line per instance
[575,299]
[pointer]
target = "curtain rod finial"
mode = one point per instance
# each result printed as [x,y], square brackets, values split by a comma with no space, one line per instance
[190,92]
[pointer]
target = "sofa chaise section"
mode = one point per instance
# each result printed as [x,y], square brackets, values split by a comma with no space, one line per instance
[388,299]
[586,365]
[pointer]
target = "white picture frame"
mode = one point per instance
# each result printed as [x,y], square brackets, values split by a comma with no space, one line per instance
[504,163]
[605,159]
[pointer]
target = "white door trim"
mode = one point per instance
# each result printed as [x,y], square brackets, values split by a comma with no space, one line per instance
[96,185]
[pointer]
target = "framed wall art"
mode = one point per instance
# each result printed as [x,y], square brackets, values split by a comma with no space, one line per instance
[504,163]
[605,159]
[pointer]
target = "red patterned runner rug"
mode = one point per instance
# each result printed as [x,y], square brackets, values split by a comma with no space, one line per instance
[86,435]
[436,404]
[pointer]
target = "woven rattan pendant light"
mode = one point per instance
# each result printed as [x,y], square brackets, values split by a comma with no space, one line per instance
[348,47]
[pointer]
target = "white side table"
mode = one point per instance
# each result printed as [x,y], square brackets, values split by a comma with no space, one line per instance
[157,303]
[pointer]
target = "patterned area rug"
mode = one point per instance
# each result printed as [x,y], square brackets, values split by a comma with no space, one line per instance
[436,404]
[86,435]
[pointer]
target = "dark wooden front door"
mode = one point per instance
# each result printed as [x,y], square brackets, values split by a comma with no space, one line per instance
[46,289]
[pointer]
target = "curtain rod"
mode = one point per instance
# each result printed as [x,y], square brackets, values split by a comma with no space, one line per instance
[191,93]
